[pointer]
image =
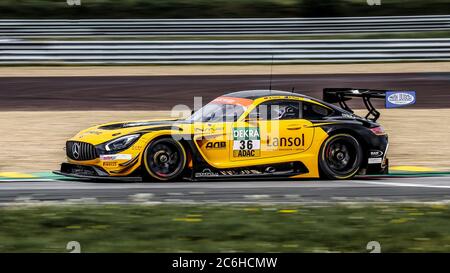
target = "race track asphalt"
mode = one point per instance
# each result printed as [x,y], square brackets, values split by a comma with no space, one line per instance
[390,189]
[163,92]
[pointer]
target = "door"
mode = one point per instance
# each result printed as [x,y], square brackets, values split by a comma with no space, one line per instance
[273,129]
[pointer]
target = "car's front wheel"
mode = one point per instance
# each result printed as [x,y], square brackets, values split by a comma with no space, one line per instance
[340,157]
[164,160]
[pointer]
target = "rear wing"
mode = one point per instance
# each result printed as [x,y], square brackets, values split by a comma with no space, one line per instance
[392,98]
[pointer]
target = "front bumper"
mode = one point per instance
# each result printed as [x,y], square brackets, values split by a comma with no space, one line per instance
[91,173]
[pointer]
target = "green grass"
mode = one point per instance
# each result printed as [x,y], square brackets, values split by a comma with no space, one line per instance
[215,8]
[224,228]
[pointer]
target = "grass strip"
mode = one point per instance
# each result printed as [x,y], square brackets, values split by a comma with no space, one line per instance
[226,228]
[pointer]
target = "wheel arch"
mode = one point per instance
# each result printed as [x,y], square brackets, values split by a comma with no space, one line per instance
[182,141]
[358,136]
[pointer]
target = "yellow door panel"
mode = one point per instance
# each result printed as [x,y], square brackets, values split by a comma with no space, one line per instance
[285,137]
[212,141]
[263,142]
[214,148]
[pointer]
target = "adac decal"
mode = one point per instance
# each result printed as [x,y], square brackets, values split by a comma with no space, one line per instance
[216,145]
[246,142]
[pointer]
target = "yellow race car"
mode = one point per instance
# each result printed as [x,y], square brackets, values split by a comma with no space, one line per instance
[247,134]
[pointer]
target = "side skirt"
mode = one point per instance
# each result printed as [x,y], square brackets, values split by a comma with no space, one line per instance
[260,171]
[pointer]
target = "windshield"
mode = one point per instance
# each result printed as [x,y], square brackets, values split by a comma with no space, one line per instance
[216,112]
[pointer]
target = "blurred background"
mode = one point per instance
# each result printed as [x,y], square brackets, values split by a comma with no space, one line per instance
[69,65]
[57,9]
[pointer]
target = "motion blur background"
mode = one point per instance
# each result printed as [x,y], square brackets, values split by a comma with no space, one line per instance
[68,65]
[90,9]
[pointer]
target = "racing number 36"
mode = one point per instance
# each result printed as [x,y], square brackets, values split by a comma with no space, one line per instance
[246,145]
[246,142]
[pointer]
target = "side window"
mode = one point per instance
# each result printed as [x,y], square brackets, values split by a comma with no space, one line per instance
[277,110]
[261,112]
[313,111]
[282,110]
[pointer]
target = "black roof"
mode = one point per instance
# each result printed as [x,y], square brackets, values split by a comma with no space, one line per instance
[254,94]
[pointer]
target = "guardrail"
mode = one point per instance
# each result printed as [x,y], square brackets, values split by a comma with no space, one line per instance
[233,27]
[220,51]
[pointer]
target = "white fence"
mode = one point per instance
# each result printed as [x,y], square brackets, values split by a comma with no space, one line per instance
[217,27]
[220,51]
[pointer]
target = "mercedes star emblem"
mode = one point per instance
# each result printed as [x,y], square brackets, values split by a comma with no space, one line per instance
[76,150]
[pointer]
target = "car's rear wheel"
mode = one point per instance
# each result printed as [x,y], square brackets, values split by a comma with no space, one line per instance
[164,160]
[340,157]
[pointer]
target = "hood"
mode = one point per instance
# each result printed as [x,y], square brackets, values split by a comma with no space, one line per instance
[134,124]
[105,132]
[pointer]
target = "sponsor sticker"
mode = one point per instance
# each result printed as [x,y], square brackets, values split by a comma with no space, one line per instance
[376,160]
[206,173]
[216,145]
[396,99]
[89,133]
[246,142]
[375,153]
[109,164]
[349,116]
[115,157]
[235,101]
[286,143]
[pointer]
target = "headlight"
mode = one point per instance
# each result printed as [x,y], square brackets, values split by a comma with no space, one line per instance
[121,143]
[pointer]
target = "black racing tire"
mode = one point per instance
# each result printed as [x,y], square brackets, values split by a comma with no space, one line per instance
[340,157]
[164,159]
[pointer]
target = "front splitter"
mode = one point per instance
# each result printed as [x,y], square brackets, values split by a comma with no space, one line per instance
[101,178]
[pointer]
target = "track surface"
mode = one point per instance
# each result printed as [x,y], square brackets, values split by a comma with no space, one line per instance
[419,189]
[163,92]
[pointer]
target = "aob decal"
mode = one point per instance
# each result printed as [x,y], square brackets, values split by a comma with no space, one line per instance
[216,145]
